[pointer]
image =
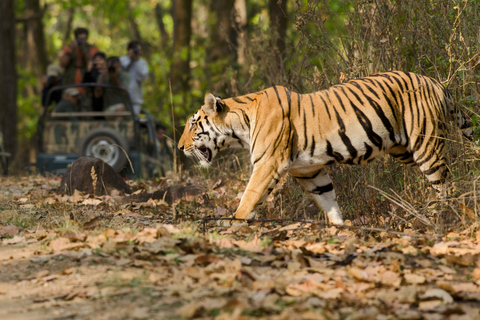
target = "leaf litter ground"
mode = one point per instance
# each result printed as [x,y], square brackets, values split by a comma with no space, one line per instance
[86,257]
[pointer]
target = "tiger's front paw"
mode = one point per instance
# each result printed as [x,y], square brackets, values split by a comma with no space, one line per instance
[335,218]
[236,223]
[338,222]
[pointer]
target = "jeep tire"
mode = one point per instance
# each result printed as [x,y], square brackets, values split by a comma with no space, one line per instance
[106,144]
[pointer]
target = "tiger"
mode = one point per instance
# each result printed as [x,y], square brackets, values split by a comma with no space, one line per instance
[398,113]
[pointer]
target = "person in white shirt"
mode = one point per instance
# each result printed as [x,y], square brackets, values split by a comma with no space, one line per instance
[137,67]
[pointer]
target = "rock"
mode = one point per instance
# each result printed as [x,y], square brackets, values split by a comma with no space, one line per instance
[92,176]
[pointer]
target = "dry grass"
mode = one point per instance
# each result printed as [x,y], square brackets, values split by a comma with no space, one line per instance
[381,194]
[359,38]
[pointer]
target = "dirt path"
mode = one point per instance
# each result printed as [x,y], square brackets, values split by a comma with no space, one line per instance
[83,258]
[175,273]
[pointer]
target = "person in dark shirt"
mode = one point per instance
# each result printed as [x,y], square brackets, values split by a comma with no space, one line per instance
[52,79]
[94,70]
[69,103]
[113,98]
[99,62]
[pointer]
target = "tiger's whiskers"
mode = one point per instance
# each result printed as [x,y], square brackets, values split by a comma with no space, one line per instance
[197,154]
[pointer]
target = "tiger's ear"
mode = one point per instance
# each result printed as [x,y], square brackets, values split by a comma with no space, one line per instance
[213,104]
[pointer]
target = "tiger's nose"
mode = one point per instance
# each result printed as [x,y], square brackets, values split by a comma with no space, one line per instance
[181,148]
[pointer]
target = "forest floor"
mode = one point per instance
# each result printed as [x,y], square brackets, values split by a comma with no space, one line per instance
[85,257]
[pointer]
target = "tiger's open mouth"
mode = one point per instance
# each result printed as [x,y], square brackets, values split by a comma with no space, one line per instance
[206,152]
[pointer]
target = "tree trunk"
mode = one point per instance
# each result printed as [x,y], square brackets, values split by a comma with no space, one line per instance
[66,36]
[222,33]
[136,33]
[241,29]
[182,32]
[37,59]
[277,10]
[8,76]
[161,25]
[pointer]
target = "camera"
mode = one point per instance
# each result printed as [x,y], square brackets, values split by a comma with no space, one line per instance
[51,80]
[111,69]
[80,42]
[136,51]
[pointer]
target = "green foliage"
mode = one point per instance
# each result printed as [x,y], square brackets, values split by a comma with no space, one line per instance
[28,106]
[23,221]
[325,40]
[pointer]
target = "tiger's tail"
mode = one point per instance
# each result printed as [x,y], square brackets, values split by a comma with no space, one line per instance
[462,121]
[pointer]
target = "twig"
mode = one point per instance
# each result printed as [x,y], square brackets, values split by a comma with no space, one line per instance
[174,128]
[447,82]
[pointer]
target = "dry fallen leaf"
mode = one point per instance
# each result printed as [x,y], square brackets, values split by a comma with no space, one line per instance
[429,305]
[220,211]
[390,278]
[61,244]
[464,259]
[333,293]
[147,235]
[476,273]
[92,202]
[14,240]
[465,287]
[8,231]
[318,247]
[290,227]
[308,286]
[189,310]
[93,223]
[50,201]
[358,274]
[436,293]
[413,278]
[467,210]
[252,246]
[206,259]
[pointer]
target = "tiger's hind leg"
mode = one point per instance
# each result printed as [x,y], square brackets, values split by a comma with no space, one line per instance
[319,186]
[401,154]
[432,164]
[431,161]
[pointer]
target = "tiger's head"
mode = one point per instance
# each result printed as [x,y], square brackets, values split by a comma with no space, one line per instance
[206,132]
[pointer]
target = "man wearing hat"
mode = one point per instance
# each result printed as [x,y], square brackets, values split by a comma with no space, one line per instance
[70,101]
[52,79]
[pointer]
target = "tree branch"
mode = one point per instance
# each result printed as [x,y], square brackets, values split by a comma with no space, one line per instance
[35,16]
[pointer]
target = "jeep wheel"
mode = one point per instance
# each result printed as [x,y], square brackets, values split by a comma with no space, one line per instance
[106,144]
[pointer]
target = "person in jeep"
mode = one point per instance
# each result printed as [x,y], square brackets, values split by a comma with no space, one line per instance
[94,69]
[69,103]
[113,98]
[52,79]
[76,57]
[137,68]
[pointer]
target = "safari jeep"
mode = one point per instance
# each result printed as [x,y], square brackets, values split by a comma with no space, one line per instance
[124,141]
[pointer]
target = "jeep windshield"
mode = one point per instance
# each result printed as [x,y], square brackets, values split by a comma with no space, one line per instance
[80,101]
